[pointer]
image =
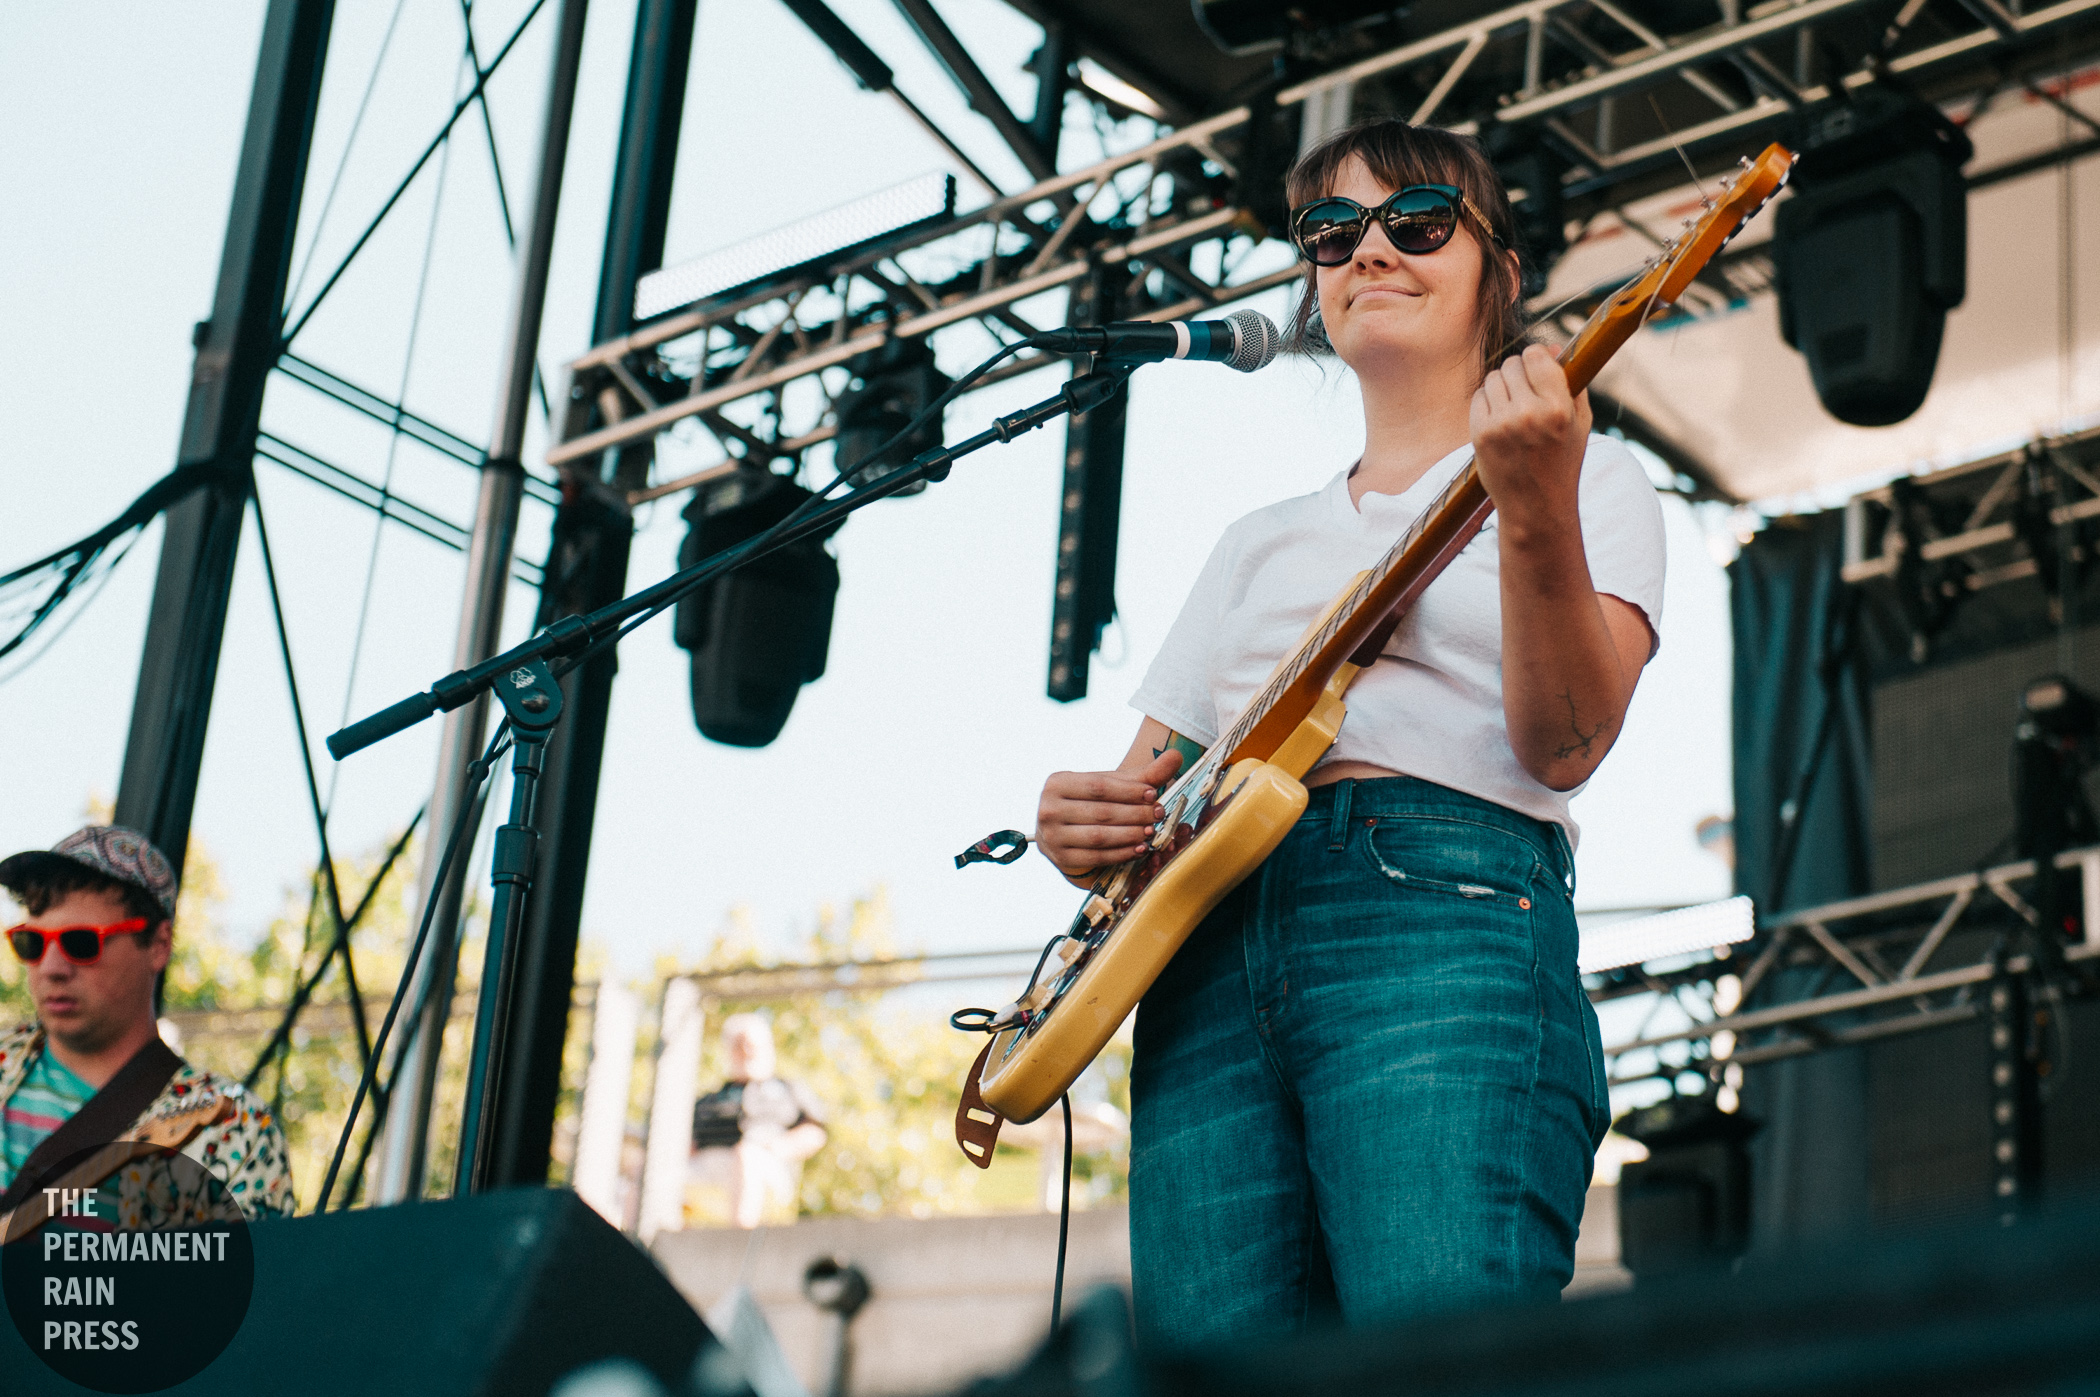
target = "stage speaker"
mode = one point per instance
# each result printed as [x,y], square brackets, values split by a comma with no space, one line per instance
[499,1294]
[2003,1311]
[761,632]
[1871,253]
[1930,1132]
[1943,739]
[1687,1205]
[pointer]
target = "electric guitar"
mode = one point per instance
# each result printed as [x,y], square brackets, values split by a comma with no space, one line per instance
[155,1139]
[1235,803]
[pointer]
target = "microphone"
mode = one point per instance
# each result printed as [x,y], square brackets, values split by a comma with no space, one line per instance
[1246,340]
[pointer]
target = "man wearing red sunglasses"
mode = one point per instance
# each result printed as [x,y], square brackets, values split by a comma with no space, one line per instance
[99,931]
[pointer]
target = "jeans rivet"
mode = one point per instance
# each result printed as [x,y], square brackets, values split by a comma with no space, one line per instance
[1371,823]
[1525,903]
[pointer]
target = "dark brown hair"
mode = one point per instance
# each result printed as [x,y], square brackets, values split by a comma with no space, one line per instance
[54,883]
[1398,154]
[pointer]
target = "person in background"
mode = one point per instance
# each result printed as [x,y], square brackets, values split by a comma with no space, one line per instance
[753,1133]
[100,929]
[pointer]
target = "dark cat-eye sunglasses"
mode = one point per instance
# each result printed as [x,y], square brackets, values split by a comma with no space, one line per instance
[1420,218]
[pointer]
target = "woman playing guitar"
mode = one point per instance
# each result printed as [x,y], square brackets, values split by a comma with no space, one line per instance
[1370,1080]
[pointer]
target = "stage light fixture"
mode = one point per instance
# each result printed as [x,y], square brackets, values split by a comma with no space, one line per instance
[759,633]
[1676,933]
[1871,252]
[1531,170]
[891,386]
[848,230]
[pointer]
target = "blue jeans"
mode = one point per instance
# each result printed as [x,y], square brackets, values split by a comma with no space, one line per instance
[1370,1080]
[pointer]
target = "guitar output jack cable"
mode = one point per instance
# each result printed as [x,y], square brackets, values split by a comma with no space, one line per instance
[980,1021]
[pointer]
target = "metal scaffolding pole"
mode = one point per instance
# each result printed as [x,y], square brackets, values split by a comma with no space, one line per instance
[235,351]
[480,623]
[586,568]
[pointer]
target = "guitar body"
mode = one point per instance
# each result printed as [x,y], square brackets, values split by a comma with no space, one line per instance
[1030,1066]
[1231,809]
[1204,851]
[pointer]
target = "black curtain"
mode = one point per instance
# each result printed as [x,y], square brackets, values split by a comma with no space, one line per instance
[1802,741]
[1802,684]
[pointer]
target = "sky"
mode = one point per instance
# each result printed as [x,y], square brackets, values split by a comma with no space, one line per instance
[930,727]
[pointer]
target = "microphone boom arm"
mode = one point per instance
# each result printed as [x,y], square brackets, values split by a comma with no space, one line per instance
[573,637]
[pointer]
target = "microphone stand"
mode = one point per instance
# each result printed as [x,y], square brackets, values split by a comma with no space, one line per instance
[524,680]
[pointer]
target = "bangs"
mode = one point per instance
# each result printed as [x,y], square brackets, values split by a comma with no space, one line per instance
[1395,153]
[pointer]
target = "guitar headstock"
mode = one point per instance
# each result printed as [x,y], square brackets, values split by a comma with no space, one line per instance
[1658,287]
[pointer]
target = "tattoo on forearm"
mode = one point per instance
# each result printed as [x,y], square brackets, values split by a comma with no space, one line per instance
[1580,742]
[1189,748]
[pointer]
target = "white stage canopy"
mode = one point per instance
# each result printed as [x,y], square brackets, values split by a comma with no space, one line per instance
[2021,357]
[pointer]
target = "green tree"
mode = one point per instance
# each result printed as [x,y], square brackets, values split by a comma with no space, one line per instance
[890,1075]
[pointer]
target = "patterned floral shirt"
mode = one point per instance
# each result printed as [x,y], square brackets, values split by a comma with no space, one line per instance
[246,1152]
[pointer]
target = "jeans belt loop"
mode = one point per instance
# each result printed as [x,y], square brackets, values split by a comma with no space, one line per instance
[1567,856]
[1338,817]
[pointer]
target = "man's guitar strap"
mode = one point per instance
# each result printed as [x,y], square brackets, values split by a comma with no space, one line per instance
[101,1119]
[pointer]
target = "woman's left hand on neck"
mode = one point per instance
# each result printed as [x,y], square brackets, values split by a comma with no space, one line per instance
[1529,435]
[1570,655]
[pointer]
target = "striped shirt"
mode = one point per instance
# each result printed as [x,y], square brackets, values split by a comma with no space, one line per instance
[47,1098]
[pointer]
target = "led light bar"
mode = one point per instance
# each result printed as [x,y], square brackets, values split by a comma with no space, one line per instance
[848,229]
[1675,933]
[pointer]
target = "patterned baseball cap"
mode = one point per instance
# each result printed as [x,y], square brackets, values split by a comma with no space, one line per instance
[110,850]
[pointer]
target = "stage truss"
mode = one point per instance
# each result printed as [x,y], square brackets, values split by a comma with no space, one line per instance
[1895,962]
[1176,211]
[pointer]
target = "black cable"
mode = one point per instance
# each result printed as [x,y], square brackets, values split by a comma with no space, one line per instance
[381,1095]
[477,772]
[72,563]
[335,182]
[1064,1222]
[981,1019]
[306,986]
[444,134]
[100,569]
[339,941]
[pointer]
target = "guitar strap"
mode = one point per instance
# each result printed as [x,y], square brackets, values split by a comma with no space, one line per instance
[100,1119]
[976,1123]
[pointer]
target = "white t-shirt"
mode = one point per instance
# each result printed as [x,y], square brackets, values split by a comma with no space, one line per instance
[1432,705]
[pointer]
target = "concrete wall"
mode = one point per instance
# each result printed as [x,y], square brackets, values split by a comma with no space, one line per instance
[955,1298]
[952,1298]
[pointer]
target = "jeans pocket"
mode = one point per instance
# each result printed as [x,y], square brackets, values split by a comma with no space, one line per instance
[1456,858]
[1600,1086]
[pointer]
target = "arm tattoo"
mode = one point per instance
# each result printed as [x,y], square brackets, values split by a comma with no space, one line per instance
[1189,748]
[1579,742]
